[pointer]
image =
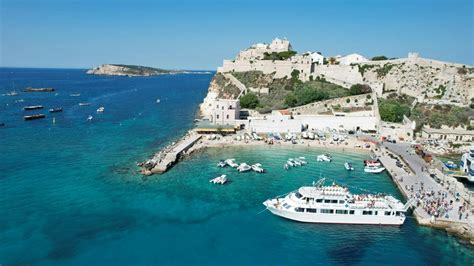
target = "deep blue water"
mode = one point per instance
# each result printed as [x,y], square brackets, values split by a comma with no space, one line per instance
[71,193]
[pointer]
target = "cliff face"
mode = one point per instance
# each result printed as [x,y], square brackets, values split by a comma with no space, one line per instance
[129,70]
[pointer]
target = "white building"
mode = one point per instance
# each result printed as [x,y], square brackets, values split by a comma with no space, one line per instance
[317,58]
[351,59]
[274,123]
[257,51]
[224,112]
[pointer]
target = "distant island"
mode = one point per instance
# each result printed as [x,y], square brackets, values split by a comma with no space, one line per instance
[130,70]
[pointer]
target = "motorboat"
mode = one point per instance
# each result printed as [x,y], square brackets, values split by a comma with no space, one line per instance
[84,104]
[450,165]
[304,135]
[222,163]
[55,110]
[89,118]
[372,163]
[243,167]
[348,166]
[324,158]
[231,163]
[11,93]
[100,109]
[301,160]
[286,166]
[34,117]
[374,169]
[291,163]
[221,180]
[296,162]
[32,107]
[75,94]
[311,135]
[337,205]
[158,100]
[255,136]
[258,168]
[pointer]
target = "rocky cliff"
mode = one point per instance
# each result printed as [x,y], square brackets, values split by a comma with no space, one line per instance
[129,70]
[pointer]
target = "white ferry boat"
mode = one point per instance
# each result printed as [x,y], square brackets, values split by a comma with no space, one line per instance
[335,204]
[467,164]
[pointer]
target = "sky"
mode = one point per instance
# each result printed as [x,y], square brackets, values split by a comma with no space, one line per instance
[198,35]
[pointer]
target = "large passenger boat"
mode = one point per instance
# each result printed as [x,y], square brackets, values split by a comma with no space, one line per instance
[335,204]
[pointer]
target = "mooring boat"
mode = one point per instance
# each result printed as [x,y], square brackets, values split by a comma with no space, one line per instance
[222,163]
[219,180]
[100,109]
[55,110]
[373,169]
[348,166]
[231,163]
[324,158]
[258,168]
[32,107]
[335,204]
[243,167]
[33,117]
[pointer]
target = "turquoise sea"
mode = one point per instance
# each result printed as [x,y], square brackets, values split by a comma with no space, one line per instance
[71,194]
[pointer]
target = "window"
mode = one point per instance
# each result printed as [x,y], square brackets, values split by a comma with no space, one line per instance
[227,116]
[398,213]
[327,201]
[388,213]
[217,106]
[341,202]
[334,201]
[376,213]
[319,200]
[366,212]
[222,107]
[311,210]
[341,211]
[298,195]
[217,116]
[299,209]
[286,205]
[351,212]
[327,211]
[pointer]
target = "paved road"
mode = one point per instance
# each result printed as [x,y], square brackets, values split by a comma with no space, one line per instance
[420,177]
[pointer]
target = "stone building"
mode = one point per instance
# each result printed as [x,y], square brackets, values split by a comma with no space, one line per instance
[224,112]
[453,135]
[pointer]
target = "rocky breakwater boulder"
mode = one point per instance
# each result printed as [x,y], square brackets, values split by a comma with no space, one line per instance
[464,232]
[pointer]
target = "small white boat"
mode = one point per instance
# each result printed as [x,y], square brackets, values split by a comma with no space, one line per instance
[301,160]
[286,166]
[374,169]
[311,135]
[290,162]
[348,166]
[258,168]
[296,162]
[243,167]
[89,118]
[304,135]
[84,104]
[231,163]
[11,93]
[100,109]
[219,180]
[75,94]
[222,163]
[158,100]
[324,158]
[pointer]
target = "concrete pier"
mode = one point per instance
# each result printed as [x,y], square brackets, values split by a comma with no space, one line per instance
[164,159]
[414,180]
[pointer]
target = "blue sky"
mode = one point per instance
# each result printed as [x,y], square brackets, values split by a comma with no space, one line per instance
[200,34]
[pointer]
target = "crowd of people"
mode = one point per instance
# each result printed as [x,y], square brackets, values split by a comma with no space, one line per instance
[437,203]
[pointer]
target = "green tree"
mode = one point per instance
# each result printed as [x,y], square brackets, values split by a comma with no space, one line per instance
[290,100]
[249,100]
[357,89]
[392,111]
[379,58]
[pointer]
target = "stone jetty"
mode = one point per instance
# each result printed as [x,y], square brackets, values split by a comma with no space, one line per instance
[167,157]
[441,201]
